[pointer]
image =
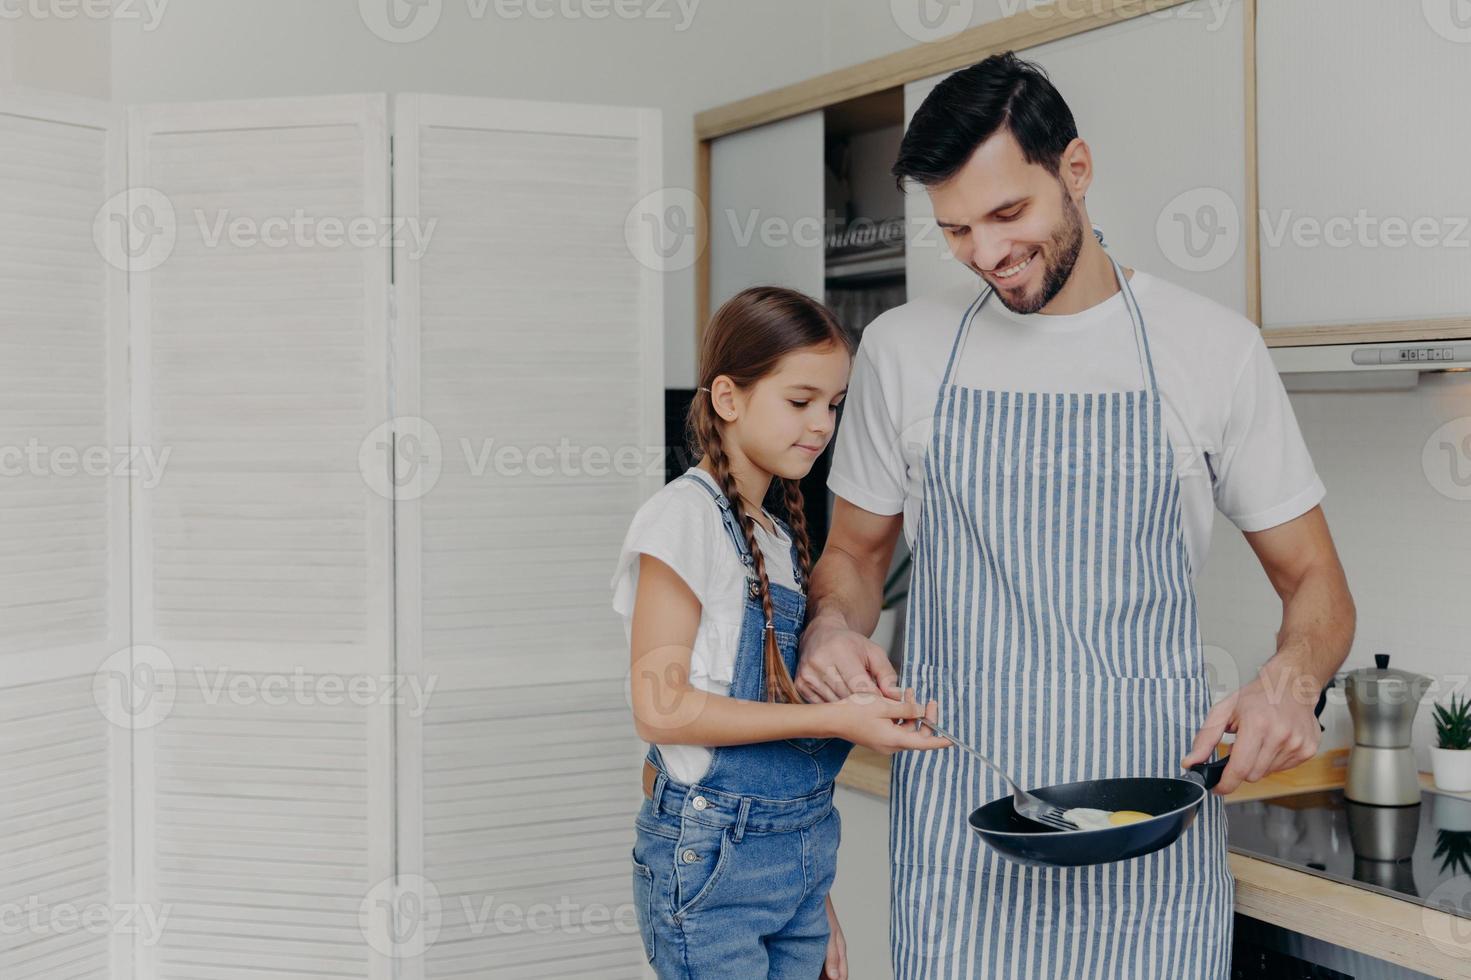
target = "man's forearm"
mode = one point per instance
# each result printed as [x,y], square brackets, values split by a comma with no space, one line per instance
[843,590]
[1318,621]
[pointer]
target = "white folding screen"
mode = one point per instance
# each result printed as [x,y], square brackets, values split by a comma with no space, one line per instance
[64,868]
[223,763]
[528,393]
[262,552]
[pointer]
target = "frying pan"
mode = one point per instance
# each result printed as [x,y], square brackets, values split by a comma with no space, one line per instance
[1174,802]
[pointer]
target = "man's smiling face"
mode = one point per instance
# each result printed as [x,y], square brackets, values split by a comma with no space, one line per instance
[1013,223]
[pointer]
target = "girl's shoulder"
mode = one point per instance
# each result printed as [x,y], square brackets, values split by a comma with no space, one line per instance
[685,499]
[680,525]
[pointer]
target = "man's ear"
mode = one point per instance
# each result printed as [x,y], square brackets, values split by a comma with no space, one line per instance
[1075,168]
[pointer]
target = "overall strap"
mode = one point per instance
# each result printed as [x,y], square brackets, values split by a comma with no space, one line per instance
[796,558]
[732,528]
[1141,336]
[727,516]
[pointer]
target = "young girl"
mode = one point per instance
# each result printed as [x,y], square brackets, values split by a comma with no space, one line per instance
[736,841]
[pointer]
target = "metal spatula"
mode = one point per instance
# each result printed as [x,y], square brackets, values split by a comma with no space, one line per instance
[1026,804]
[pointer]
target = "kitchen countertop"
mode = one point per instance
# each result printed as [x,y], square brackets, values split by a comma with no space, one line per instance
[1409,935]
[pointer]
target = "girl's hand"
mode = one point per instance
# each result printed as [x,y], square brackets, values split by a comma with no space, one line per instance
[836,965]
[880,723]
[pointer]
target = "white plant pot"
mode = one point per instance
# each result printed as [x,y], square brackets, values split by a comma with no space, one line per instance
[883,633]
[1451,812]
[1452,769]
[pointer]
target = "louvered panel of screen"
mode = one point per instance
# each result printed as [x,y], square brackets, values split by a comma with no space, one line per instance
[530,396]
[263,555]
[64,806]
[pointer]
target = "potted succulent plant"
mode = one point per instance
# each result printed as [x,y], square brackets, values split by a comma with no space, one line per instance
[895,591]
[1450,760]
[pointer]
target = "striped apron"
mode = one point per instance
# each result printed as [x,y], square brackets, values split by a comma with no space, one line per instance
[1052,616]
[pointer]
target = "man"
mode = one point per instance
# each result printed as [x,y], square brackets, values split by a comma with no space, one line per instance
[1054,449]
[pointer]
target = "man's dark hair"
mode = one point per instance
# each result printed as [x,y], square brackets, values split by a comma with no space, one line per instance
[965,109]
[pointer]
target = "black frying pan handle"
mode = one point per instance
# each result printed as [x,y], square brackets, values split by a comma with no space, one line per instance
[1210,772]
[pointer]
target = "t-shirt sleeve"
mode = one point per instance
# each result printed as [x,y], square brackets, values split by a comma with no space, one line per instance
[673,526]
[868,460]
[1264,475]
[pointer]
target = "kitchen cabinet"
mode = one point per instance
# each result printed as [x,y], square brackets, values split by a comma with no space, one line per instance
[766,208]
[1365,205]
[864,208]
[860,891]
[775,204]
[1159,101]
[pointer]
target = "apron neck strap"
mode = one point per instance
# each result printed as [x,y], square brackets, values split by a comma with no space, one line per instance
[959,342]
[1141,337]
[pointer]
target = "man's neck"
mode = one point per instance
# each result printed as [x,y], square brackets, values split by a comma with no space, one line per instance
[1092,281]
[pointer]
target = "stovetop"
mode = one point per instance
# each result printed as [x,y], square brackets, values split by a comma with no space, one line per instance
[1419,853]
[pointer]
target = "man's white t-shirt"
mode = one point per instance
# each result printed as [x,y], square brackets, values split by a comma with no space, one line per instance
[1235,439]
[681,526]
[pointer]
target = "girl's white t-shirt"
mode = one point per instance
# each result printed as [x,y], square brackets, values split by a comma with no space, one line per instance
[681,526]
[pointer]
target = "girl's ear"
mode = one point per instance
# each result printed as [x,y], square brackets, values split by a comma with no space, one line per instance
[723,396]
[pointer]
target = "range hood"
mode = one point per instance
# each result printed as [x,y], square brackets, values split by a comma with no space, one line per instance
[1351,366]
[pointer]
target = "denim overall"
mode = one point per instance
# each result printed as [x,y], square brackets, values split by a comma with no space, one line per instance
[730,875]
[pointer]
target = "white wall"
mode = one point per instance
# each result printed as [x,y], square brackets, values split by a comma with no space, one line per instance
[1405,544]
[56,53]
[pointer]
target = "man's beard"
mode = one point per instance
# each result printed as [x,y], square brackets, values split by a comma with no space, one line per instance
[1065,244]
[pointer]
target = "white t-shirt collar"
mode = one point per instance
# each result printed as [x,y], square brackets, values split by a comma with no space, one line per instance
[779,536]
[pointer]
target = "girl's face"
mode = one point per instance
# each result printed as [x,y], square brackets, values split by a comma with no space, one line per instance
[786,419]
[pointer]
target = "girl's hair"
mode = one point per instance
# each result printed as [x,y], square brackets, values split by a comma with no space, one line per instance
[745,341]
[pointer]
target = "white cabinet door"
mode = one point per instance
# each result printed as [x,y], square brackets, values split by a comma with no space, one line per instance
[766,208]
[64,757]
[1363,147]
[860,892]
[929,268]
[262,551]
[529,396]
[1160,101]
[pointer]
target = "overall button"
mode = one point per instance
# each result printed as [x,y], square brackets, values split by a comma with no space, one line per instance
[690,857]
[699,803]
